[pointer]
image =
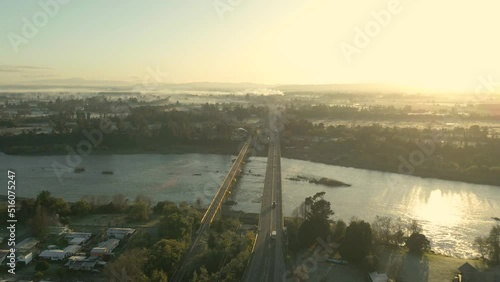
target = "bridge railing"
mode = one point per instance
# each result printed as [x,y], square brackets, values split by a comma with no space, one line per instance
[236,163]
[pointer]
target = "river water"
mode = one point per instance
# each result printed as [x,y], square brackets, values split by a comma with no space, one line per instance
[452,213]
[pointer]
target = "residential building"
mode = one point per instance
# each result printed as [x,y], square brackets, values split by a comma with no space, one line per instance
[120,233]
[25,257]
[105,248]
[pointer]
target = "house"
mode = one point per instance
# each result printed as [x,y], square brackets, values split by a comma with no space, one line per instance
[71,235]
[120,233]
[468,273]
[104,248]
[27,244]
[25,257]
[57,254]
[53,254]
[78,241]
[72,249]
[81,263]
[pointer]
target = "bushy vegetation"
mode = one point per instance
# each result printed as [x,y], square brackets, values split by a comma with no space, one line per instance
[209,127]
[489,246]
[225,253]
[470,154]
[354,242]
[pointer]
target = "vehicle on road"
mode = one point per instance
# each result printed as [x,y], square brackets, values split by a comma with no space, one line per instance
[273,235]
[274,204]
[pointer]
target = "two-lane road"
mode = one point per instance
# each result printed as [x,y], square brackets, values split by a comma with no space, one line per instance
[267,262]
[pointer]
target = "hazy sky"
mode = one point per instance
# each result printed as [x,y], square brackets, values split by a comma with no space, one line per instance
[441,44]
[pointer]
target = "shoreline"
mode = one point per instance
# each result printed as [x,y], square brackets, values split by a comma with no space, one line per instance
[225,150]
[426,174]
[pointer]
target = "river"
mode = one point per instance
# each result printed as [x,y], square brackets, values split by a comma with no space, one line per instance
[452,213]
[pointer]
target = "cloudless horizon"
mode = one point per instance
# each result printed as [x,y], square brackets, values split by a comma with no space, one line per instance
[441,46]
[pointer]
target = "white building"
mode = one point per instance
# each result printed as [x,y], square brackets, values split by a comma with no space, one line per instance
[104,248]
[25,257]
[27,244]
[120,233]
[56,254]
[72,249]
[71,235]
[53,254]
[78,241]
[81,263]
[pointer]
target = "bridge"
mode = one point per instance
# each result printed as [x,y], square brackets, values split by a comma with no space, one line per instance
[267,262]
[213,209]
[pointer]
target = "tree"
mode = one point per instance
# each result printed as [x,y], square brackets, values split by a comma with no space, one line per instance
[202,277]
[176,226]
[38,275]
[42,266]
[382,229]
[158,276]
[293,227]
[339,230]
[165,208]
[44,198]
[81,207]
[388,231]
[414,227]
[317,212]
[139,211]
[494,244]
[481,243]
[40,221]
[120,202]
[143,198]
[357,242]
[128,267]
[164,256]
[417,243]
[59,206]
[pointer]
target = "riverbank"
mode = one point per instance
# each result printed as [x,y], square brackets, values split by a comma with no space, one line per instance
[223,148]
[230,147]
[452,175]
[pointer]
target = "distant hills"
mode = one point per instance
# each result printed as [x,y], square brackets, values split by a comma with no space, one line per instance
[79,84]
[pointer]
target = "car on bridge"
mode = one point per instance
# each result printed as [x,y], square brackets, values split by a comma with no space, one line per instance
[273,235]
